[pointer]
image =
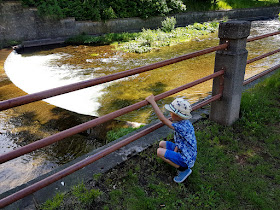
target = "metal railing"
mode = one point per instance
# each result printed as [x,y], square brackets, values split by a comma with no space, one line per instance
[82,127]
[257,76]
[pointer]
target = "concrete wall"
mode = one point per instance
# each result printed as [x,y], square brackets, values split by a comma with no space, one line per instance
[23,24]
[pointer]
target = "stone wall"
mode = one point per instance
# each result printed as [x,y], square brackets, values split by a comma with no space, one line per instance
[23,24]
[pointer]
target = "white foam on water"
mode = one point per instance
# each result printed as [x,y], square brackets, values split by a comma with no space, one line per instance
[37,73]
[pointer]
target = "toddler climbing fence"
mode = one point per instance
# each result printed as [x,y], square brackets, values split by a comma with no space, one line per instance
[219,94]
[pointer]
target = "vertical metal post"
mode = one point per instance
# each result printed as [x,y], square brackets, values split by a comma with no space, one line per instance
[233,61]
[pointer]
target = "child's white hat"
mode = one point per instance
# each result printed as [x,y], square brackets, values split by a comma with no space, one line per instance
[180,107]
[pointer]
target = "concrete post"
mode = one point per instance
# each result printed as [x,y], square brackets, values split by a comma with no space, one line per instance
[233,61]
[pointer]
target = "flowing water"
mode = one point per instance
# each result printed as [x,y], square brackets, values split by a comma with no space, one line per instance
[45,69]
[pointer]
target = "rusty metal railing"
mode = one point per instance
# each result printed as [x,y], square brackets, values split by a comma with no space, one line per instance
[89,83]
[257,76]
[251,39]
[65,172]
[263,56]
[82,127]
[77,129]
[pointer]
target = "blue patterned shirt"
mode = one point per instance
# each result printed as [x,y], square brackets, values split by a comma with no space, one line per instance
[185,141]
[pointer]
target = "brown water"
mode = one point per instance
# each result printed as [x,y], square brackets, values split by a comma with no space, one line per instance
[34,71]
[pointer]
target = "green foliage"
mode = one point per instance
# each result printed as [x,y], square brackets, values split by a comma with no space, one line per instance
[53,203]
[151,39]
[233,164]
[257,108]
[85,196]
[107,9]
[9,43]
[118,133]
[103,39]
[168,24]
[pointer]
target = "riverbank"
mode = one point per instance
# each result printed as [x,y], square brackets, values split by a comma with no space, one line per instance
[237,167]
[27,25]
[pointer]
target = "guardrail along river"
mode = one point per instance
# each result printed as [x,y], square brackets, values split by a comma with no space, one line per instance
[45,69]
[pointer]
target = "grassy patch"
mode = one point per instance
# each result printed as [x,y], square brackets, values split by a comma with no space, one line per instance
[239,4]
[53,203]
[9,43]
[84,195]
[101,40]
[148,39]
[119,132]
[152,39]
[237,166]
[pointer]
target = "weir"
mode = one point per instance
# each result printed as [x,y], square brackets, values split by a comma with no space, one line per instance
[140,132]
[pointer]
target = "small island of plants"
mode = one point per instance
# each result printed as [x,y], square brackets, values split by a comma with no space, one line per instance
[149,39]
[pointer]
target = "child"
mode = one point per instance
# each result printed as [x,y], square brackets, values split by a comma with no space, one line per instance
[182,154]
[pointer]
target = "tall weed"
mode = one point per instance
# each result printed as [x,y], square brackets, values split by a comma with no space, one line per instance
[168,24]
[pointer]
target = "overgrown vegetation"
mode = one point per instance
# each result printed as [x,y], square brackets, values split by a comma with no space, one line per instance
[151,39]
[103,39]
[107,9]
[79,195]
[237,166]
[9,43]
[118,133]
[148,39]
[53,203]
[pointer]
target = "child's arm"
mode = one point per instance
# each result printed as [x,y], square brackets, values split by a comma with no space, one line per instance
[151,100]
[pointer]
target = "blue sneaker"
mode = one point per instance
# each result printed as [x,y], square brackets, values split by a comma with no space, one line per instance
[182,175]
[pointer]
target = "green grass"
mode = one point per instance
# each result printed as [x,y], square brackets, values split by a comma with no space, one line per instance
[148,39]
[239,4]
[54,203]
[119,132]
[8,43]
[103,39]
[84,195]
[237,166]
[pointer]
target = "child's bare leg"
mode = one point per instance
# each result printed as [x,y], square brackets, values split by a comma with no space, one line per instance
[162,144]
[161,153]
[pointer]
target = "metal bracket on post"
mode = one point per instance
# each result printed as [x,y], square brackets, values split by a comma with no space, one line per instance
[227,42]
[221,85]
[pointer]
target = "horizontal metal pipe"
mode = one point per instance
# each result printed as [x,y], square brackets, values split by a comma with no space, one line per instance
[71,169]
[57,176]
[257,76]
[82,127]
[262,36]
[262,56]
[207,101]
[89,83]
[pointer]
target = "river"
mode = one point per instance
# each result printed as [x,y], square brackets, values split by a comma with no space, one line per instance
[34,71]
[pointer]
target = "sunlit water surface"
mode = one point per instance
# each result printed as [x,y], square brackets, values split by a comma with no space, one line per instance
[37,71]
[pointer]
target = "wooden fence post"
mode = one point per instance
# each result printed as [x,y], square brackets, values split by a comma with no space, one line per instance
[233,61]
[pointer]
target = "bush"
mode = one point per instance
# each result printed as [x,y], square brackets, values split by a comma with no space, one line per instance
[168,24]
[106,9]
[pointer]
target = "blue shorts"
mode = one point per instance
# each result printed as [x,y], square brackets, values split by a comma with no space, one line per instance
[175,157]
